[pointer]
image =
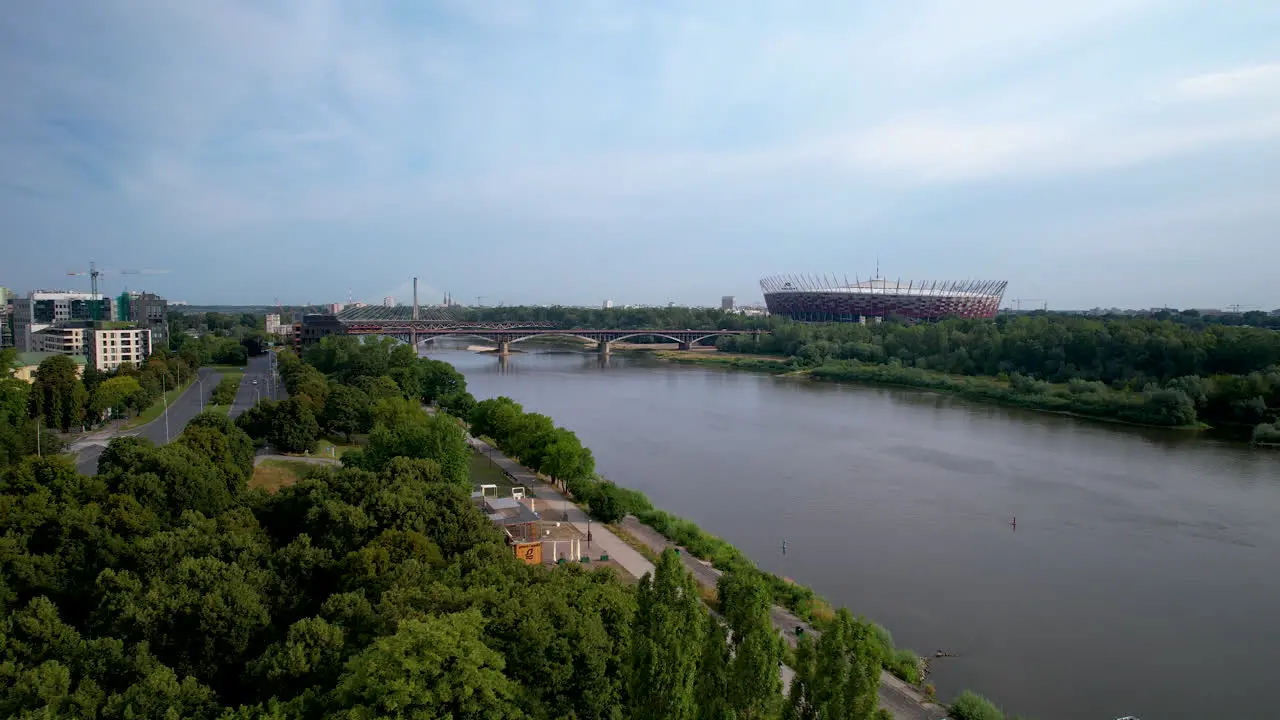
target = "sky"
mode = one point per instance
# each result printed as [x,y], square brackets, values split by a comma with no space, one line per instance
[1091,153]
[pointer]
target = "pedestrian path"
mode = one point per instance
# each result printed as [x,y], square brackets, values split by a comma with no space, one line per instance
[553,506]
[902,700]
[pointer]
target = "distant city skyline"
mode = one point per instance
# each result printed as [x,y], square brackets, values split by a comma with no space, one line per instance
[1097,153]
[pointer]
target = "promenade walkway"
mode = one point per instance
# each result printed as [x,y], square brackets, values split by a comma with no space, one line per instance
[902,700]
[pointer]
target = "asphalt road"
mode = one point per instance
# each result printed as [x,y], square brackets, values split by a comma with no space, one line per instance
[257,370]
[159,431]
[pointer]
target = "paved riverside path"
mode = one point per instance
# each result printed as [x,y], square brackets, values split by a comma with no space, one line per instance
[553,506]
[904,701]
[896,696]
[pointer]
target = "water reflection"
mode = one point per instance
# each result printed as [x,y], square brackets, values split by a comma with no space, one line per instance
[1134,546]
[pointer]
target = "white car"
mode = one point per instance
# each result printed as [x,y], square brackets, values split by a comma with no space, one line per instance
[255,382]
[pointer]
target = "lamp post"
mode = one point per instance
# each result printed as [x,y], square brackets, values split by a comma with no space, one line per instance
[200,382]
[164,398]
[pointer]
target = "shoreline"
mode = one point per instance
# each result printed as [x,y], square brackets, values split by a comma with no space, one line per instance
[905,700]
[781,366]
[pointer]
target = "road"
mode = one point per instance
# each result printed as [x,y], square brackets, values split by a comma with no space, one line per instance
[159,431]
[899,698]
[258,369]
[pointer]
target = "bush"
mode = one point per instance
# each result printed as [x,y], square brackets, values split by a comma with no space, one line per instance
[225,393]
[904,665]
[970,705]
[1267,434]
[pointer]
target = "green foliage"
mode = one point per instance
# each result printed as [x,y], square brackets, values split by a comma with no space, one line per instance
[346,411]
[417,435]
[225,392]
[754,687]
[458,404]
[118,394]
[969,705]
[160,588]
[1267,434]
[1166,371]
[57,395]
[840,676]
[711,687]
[433,667]
[606,503]
[533,438]
[293,425]
[666,643]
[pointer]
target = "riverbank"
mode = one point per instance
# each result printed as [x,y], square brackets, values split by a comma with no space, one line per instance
[1090,400]
[900,698]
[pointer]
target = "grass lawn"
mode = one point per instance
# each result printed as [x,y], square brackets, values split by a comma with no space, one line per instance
[155,410]
[271,475]
[226,368]
[484,472]
[332,447]
[224,409]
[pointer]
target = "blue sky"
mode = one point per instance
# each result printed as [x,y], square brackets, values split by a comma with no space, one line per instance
[1092,153]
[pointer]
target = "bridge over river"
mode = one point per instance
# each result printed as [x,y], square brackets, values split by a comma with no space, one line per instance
[416,325]
[504,335]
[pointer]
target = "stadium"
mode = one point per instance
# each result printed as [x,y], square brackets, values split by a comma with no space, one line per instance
[824,299]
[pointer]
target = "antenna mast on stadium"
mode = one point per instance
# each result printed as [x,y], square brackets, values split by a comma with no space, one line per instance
[877,266]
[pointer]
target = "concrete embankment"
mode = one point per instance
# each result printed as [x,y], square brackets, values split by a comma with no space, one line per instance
[904,701]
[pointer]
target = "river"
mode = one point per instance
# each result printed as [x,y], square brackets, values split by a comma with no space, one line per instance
[1142,577]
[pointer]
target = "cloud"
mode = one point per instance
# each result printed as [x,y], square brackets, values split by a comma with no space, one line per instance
[1256,81]
[436,129]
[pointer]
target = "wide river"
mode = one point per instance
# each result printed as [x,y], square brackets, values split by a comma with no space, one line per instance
[1142,577]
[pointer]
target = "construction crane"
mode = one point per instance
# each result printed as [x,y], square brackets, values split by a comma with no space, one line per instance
[93,274]
[1017,303]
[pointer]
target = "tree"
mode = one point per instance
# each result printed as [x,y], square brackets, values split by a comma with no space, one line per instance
[439,379]
[434,437]
[117,393]
[57,394]
[258,420]
[436,666]
[378,388]
[606,503]
[755,690]
[845,678]
[666,642]
[293,426]
[458,404]
[346,410]
[712,684]
[801,703]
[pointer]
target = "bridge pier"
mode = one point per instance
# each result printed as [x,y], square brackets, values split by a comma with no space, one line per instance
[686,345]
[504,347]
[602,347]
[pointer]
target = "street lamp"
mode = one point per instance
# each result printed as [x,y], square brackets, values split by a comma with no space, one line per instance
[200,382]
[164,398]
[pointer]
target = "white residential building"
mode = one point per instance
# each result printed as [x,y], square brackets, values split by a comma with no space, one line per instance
[110,348]
[64,340]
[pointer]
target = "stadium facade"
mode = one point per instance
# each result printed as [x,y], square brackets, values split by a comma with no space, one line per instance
[810,298]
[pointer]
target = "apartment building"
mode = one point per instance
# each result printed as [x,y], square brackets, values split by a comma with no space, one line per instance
[61,339]
[42,309]
[146,310]
[110,346]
